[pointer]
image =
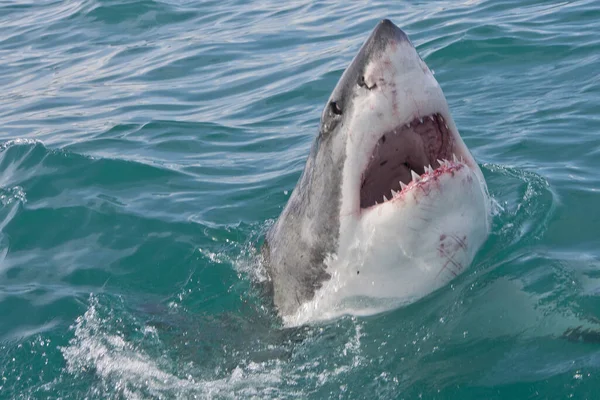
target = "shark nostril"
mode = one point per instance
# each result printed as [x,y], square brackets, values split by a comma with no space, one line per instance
[363,83]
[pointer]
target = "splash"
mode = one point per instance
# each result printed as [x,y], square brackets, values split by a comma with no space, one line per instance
[119,365]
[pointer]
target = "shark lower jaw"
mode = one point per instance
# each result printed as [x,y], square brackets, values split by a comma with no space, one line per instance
[450,200]
[418,240]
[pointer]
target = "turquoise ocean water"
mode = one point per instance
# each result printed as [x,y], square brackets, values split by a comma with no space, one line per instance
[146,146]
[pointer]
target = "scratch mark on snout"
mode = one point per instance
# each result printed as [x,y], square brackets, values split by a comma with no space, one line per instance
[448,253]
[462,243]
[458,267]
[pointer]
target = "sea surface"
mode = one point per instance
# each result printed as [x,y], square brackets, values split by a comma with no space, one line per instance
[146,147]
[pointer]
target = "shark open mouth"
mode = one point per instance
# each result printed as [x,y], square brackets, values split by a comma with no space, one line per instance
[406,155]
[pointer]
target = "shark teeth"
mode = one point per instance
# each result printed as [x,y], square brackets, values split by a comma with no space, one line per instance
[447,163]
[415,176]
[418,180]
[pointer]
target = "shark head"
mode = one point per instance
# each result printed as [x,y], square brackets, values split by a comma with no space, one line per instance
[391,204]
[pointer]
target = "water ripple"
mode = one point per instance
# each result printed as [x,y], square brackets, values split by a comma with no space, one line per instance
[146,145]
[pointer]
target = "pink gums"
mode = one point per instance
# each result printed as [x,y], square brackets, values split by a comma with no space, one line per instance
[427,178]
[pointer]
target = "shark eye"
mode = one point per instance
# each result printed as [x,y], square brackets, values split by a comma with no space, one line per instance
[335,108]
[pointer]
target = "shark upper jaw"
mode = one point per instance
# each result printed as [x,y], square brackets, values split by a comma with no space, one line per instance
[392,120]
[397,122]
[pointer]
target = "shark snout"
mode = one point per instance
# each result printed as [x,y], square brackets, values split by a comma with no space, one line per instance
[386,32]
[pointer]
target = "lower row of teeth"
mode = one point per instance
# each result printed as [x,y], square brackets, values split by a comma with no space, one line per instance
[428,170]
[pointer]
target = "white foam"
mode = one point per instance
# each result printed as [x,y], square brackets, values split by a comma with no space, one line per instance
[120,367]
[18,142]
[125,370]
[12,195]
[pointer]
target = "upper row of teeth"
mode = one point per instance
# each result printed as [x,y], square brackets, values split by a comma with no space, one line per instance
[428,170]
[421,120]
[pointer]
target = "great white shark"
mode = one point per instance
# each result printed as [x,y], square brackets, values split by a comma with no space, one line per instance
[391,204]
